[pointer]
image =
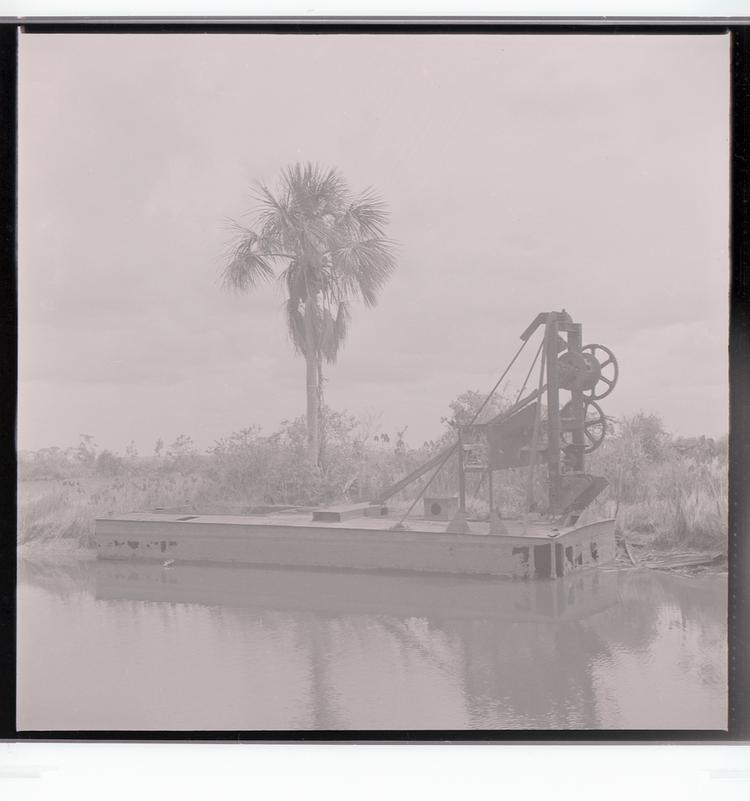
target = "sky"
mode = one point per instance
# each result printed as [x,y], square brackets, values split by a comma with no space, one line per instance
[522,174]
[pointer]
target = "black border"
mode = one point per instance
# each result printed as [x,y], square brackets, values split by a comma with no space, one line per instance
[8,378]
[739,506]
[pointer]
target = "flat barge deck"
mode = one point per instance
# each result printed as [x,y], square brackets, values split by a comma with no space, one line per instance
[526,549]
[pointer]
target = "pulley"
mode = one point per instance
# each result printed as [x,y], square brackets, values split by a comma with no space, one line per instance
[578,371]
[594,425]
[608,371]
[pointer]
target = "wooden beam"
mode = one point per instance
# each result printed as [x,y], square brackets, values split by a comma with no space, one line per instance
[561,318]
[343,511]
[537,321]
[575,341]
[461,474]
[553,414]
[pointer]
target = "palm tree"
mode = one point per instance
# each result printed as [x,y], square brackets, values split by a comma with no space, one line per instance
[330,249]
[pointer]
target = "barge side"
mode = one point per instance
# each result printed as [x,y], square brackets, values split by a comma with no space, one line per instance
[529,551]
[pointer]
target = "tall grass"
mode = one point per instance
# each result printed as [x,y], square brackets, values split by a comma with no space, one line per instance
[69,508]
[665,492]
[54,516]
[684,504]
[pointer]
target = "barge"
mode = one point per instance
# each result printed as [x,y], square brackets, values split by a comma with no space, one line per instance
[534,550]
[547,541]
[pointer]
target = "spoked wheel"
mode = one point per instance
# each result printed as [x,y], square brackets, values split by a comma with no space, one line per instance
[594,425]
[578,371]
[608,371]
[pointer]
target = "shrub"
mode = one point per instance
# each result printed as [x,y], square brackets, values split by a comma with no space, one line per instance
[107,464]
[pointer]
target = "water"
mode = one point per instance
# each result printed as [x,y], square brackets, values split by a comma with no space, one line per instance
[118,646]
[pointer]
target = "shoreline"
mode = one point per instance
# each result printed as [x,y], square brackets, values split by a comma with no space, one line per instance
[55,550]
[688,563]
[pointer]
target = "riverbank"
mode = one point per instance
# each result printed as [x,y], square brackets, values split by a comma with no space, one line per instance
[684,563]
[55,551]
[638,549]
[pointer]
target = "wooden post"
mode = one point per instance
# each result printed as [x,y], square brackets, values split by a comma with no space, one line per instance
[553,413]
[490,499]
[575,342]
[461,474]
[533,454]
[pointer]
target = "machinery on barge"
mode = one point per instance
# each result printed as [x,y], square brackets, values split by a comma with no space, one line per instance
[550,429]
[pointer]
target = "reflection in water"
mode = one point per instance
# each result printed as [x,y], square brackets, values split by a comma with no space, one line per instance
[115,645]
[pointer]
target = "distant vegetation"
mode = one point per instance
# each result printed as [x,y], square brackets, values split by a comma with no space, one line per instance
[666,492]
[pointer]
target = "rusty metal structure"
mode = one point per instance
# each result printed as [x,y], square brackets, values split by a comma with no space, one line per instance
[554,426]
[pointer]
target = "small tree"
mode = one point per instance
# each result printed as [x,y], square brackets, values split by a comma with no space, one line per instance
[182,452]
[468,403]
[86,451]
[109,464]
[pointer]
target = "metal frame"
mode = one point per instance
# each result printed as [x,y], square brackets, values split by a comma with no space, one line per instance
[563,458]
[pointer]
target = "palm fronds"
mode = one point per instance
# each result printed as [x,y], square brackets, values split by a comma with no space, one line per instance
[248,262]
[332,245]
[367,216]
[363,267]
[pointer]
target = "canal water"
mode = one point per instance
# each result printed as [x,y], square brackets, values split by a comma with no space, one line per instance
[119,646]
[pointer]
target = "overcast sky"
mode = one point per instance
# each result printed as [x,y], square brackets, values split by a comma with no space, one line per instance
[523,174]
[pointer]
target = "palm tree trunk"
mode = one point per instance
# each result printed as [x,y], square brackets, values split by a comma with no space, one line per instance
[313,409]
[313,393]
[321,416]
